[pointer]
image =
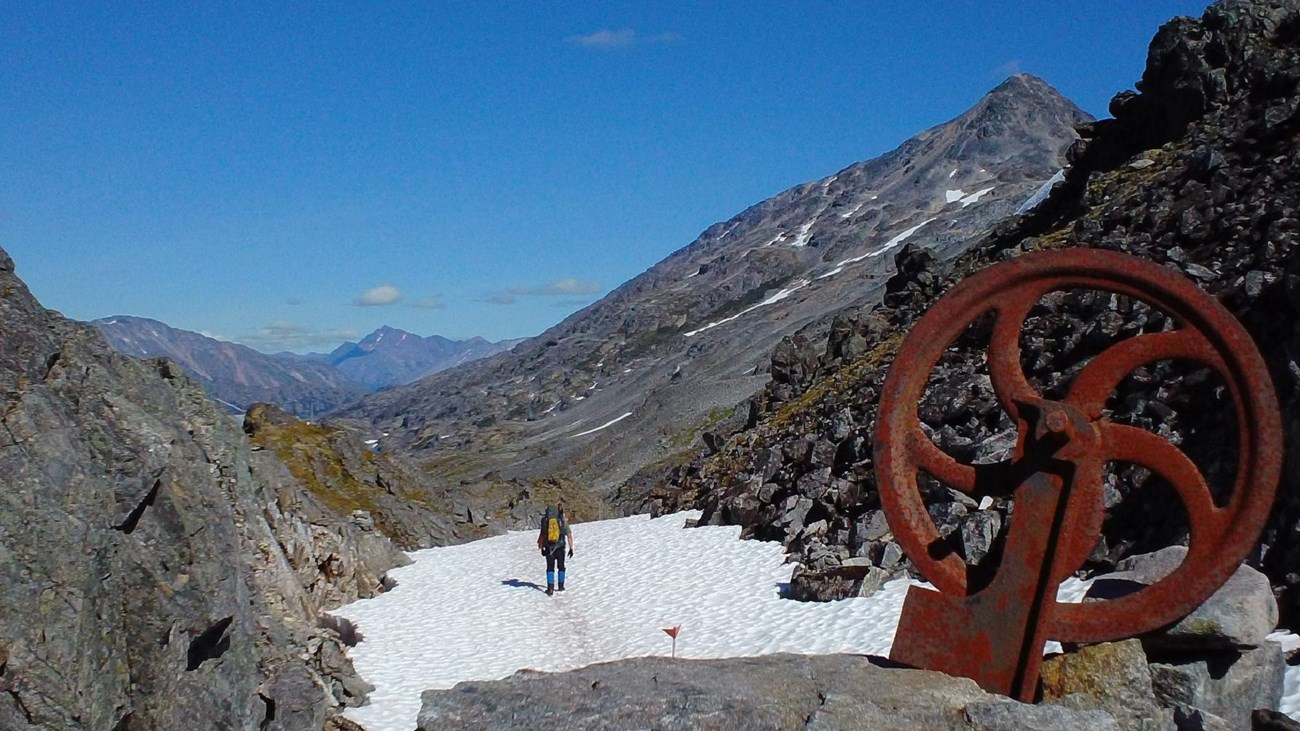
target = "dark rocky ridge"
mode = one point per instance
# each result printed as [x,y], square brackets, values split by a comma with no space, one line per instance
[158,571]
[679,346]
[1200,171]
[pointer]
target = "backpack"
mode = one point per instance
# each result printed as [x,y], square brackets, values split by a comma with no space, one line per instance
[553,527]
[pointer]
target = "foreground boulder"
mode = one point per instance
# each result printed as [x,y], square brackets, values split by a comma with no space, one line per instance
[773,692]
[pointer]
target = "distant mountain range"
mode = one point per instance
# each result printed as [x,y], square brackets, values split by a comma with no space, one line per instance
[650,369]
[390,357]
[304,385]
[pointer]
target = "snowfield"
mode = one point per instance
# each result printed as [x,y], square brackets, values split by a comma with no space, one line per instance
[477,611]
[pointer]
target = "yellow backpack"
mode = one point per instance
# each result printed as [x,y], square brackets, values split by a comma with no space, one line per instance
[552,530]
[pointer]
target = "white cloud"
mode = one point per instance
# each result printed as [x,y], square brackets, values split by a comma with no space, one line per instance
[381,296]
[502,299]
[568,286]
[286,335]
[1010,68]
[429,303]
[606,39]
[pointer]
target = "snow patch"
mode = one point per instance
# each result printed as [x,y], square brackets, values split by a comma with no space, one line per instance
[803,237]
[954,172]
[952,196]
[227,403]
[1041,194]
[493,618]
[774,298]
[853,210]
[606,425]
[974,197]
[1290,704]
[831,273]
[888,245]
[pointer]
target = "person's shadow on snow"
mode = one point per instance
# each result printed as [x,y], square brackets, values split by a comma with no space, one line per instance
[521,584]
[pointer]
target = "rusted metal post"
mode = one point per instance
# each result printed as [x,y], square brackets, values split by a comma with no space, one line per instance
[995,633]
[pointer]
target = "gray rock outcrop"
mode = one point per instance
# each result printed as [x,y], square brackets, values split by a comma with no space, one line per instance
[816,693]
[156,572]
[1241,613]
[1229,684]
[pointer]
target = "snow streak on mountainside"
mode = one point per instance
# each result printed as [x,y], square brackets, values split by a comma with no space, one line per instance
[679,346]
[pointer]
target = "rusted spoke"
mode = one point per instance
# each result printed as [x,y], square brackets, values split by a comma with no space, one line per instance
[1142,448]
[938,463]
[1009,382]
[1103,374]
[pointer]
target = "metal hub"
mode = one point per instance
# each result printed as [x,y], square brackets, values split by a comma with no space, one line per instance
[993,629]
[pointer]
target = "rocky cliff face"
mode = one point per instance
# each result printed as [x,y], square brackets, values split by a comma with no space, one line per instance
[1199,171]
[639,376]
[157,571]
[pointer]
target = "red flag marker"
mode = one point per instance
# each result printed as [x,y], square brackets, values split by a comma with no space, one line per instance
[672,632]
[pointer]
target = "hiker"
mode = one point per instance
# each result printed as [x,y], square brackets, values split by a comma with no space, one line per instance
[550,539]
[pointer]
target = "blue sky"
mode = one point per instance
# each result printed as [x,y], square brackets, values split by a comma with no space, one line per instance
[290,175]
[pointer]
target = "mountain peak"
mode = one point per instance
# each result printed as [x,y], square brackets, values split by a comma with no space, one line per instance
[1026,94]
[1023,83]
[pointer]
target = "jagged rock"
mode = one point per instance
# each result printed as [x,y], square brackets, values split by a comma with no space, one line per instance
[1194,719]
[1112,676]
[1227,683]
[158,571]
[1240,614]
[870,526]
[978,532]
[817,693]
[853,578]
[1266,720]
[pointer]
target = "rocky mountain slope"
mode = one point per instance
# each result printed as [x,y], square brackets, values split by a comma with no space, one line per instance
[305,386]
[640,375]
[392,357]
[159,570]
[1200,172]
[235,374]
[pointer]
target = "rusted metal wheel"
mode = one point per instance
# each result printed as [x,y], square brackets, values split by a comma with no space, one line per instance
[1205,333]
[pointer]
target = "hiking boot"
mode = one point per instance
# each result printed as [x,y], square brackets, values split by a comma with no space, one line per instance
[550,589]
[561,587]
